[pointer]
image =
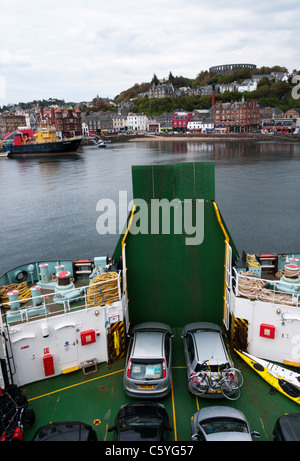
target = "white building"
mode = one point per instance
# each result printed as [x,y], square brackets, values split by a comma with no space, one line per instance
[195,125]
[208,125]
[228,87]
[201,126]
[119,122]
[283,76]
[85,129]
[247,85]
[136,122]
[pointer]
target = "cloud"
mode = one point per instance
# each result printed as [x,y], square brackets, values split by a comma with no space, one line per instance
[77,49]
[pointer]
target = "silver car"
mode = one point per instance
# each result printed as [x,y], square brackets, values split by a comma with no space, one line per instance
[218,423]
[148,361]
[205,351]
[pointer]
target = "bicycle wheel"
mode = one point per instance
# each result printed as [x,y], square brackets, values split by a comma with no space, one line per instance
[235,375]
[230,389]
[200,383]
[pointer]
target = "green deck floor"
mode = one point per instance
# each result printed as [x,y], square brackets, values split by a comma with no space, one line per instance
[95,399]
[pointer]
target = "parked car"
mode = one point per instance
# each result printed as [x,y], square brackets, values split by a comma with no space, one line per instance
[141,422]
[148,361]
[287,428]
[219,423]
[67,431]
[205,349]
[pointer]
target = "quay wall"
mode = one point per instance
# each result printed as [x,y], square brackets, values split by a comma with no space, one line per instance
[198,137]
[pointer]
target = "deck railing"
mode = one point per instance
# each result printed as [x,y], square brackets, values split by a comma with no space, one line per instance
[272,291]
[61,302]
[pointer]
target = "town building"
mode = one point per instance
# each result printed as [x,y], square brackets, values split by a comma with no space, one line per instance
[205,125]
[243,116]
[153,125]
[106,123]
[200,114]
[136,122]
[258,78]
[119,122]
[91,124]
[195,125]
[180,120]
[228,87]
[166,117]
[84,128]
[97,123]
[208,125]
[166,127]
[166,90]
[66,122]
[292,113]
[280,76]
[9,123]
[247,85]
[278,126]
[287,123]
[270,112]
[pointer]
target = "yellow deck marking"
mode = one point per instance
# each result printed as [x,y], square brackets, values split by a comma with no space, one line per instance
[105,376]
[262,425]
[173,407]
[106,430]
[74,385]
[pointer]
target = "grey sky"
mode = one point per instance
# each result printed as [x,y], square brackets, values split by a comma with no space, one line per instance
[75,49]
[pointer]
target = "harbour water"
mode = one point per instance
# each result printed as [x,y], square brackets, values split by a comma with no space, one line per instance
[48,206]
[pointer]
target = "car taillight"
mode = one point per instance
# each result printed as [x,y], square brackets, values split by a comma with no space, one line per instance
[164,369]
[129,368]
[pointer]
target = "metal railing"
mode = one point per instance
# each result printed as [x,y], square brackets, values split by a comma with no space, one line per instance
[61,302]
[272,291]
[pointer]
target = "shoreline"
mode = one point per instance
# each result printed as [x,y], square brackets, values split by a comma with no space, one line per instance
[291,138]
[221,138]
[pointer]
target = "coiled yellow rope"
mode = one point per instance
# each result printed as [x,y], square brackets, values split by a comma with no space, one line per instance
[24,292]
[104,293]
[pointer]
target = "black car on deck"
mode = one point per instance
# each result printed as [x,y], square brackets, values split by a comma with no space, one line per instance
[141,422]
[67,431]
[287,428]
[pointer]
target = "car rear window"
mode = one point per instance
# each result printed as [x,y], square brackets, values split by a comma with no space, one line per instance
[214,426]
[146,370]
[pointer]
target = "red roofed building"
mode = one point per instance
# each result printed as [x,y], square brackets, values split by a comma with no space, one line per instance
[66,122]
[236,116]
[180,120]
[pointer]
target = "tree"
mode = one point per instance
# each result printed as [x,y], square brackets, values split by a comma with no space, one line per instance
[171,77]
[154,79]
[280,89]
[99,105]
[264,82]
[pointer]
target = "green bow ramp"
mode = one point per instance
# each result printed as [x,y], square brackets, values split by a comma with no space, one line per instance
[174,276]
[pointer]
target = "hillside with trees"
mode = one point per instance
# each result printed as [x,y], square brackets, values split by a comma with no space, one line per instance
[268,92]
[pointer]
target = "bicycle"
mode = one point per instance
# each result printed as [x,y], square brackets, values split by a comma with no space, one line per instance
[227,380]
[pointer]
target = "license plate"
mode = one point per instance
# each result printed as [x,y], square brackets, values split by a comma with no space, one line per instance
[145,387]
